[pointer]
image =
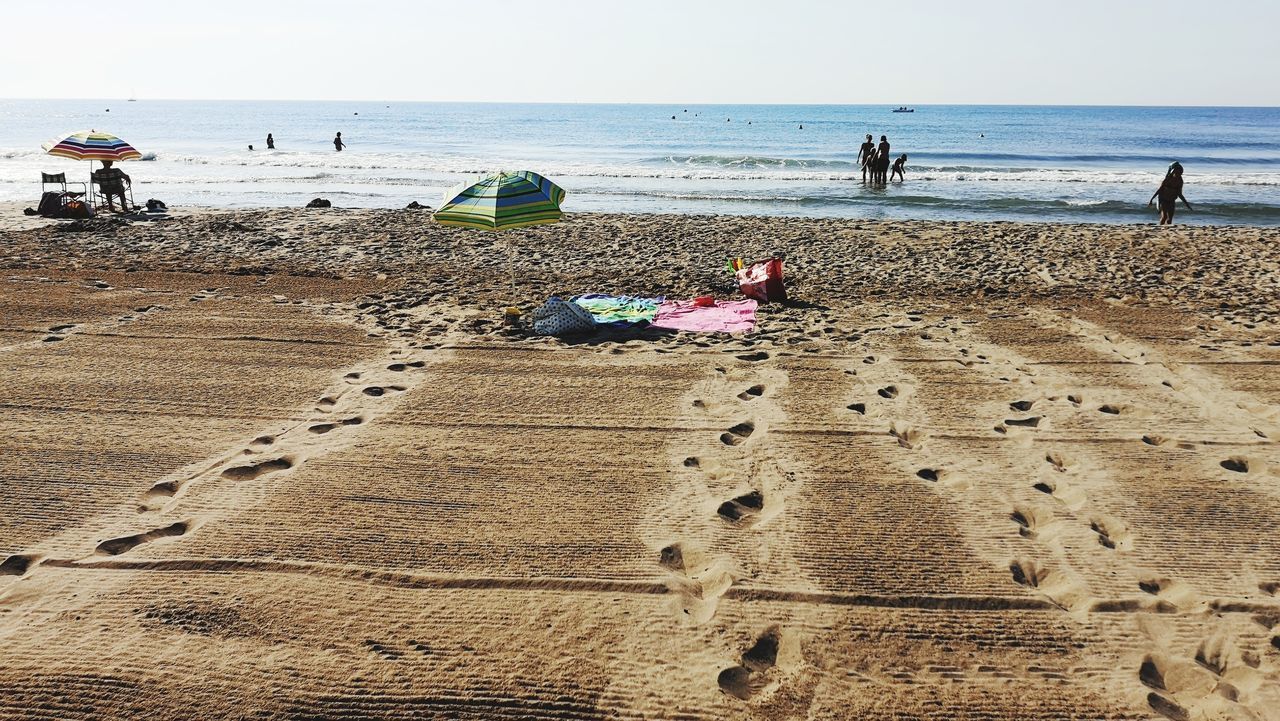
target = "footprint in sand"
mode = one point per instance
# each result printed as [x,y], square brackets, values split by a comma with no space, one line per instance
[1032,522]
[743,509]
[322,428]
[1032,422]
[1073,498]
[1236,464]
[907,436]
[1164,676]
[384,650]
[751,393]
[252,471]
[18,564]
[738,434]
[756,357]
[124,544]
[1057,587]
[1112,533]
[750,677]
[697,580]
[163,489]
[1060,461]
[859,408]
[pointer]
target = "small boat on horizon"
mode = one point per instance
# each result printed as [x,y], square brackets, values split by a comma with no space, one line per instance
[904,109]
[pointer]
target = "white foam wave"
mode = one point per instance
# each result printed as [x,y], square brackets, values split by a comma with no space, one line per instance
[391,167]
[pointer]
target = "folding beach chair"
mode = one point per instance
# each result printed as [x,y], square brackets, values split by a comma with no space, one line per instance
[100,199]
[55,203]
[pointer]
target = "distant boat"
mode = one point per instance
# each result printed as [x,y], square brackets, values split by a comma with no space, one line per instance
[904,109]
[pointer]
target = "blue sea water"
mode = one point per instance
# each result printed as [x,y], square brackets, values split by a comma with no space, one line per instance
[1076,164]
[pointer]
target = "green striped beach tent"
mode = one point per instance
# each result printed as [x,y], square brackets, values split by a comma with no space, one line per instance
[502,201]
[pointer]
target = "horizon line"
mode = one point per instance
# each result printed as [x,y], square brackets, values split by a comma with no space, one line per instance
[642,103]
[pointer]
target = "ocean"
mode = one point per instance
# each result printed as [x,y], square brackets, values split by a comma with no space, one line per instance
[1073,164]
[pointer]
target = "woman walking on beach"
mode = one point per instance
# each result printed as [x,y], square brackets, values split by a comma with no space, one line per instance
[1169,192]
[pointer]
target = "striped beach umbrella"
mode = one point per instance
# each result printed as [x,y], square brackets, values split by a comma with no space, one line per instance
[91,145]
[502,201]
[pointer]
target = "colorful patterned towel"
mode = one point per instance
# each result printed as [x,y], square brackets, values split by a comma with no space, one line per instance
[619,309]
[726,316]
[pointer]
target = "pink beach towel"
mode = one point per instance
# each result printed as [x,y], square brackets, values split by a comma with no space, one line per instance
[726,316]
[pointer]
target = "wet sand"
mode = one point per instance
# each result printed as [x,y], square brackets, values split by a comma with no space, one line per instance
[289,464]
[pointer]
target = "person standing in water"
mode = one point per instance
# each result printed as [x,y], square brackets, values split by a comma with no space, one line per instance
[866,156]
[1169,192]
[338,145]
[271,142]
[882,161]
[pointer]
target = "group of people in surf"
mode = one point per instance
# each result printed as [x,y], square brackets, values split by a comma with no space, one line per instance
[875,162]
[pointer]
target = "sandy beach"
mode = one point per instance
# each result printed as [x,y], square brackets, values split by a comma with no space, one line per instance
[289,464]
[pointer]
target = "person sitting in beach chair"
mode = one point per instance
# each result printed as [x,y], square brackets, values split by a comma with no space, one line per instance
[111,182]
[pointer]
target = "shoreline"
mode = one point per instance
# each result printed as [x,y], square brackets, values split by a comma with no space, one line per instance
[976,462]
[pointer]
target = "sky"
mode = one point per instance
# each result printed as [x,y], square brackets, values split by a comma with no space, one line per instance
[1104,52]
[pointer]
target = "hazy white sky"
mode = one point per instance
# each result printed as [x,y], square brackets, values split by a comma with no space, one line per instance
[1176,52]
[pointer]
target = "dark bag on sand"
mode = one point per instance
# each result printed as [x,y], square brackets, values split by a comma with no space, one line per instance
[319,203]
[76,209]
[156,206]
[762,280]
[50,204]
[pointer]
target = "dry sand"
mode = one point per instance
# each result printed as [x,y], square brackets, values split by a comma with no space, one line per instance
[289,464]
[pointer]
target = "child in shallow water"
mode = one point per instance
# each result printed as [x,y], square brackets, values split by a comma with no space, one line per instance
[898,166]
[1169,192]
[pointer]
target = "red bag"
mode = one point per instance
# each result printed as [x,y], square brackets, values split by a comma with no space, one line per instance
[762,280]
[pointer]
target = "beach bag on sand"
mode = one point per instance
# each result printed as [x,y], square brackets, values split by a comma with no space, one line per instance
[76,209]
[762,280]
[557,317]
[50,204]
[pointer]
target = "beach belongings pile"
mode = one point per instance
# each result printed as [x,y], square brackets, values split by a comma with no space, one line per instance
[619,310]
[761,280]
[586,313]
[707,315]
[559,318]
